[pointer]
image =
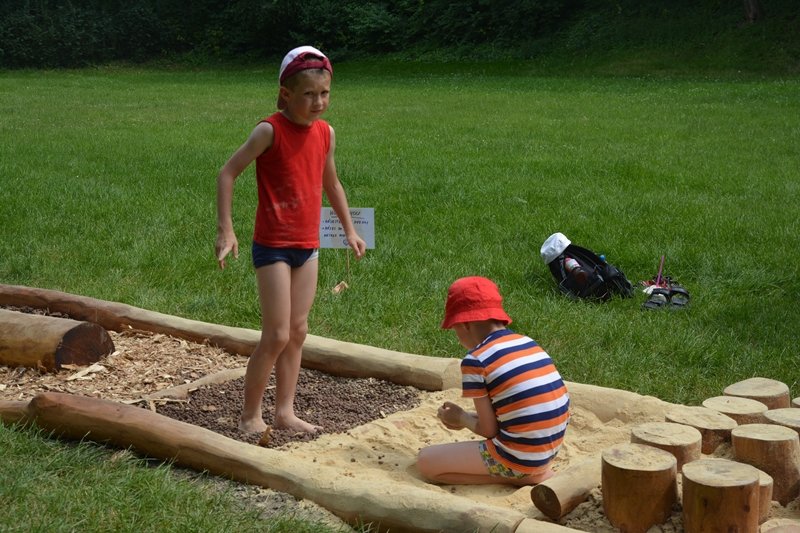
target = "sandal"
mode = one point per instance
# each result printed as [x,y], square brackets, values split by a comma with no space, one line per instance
[658,298]
[678,296]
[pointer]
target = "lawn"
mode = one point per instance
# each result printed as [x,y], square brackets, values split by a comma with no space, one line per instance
[107,188]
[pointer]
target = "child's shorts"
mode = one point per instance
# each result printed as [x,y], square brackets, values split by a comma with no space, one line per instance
[294,257]
[496,468]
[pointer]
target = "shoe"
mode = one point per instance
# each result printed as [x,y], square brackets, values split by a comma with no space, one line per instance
[658,298]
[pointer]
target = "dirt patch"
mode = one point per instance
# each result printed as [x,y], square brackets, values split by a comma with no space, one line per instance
[335,403]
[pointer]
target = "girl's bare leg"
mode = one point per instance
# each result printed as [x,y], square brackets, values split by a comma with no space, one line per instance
[460,463]
[274,295]
[287,367]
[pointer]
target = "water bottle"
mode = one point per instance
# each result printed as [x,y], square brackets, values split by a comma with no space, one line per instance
[574,269]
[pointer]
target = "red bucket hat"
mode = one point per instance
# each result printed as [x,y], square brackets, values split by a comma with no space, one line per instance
[301,58]
[471,299]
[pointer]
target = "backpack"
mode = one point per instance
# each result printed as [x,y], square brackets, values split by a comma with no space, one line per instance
[591,277]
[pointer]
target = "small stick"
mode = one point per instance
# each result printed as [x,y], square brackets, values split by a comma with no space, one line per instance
[660,270]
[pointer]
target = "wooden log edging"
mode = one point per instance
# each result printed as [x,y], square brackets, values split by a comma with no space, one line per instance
[411,509]
[329,355]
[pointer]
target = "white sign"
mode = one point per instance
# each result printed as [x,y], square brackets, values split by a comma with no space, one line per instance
[331,233]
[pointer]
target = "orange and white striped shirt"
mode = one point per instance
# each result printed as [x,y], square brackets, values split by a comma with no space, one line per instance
[527,393]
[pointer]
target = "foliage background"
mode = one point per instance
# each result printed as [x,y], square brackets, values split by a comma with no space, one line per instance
[718,33]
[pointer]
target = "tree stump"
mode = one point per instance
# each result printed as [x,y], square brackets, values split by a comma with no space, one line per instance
[639,486]
[743,410]
[796,402]
[714,427]
[46,342]
[765,486]
[560,494]
[775,450]
[682,441]
[788,416]
[720,495]
[774,394]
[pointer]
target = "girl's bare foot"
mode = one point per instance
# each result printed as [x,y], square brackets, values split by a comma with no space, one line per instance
[295,424]
[255,425]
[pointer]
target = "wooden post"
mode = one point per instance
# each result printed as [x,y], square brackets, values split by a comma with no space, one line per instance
[743,410]
[720,495]
[714,427]
[47,342]
[639,486]
[564,491]
[774,394]
[788,416]
[684,442]
[775,450]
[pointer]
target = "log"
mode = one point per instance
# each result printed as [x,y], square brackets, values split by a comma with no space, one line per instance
[639,486]
[743,410]
[714,427]
[413,508]
[46,342]
[557,496]
[12,412]
[720,495]
[682,441]
[772,393]
[775,450]
[788,416]
[331,356]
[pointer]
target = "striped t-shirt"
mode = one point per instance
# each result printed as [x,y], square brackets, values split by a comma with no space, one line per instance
[528,396]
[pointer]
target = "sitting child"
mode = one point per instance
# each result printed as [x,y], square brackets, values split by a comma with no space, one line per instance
[521,403]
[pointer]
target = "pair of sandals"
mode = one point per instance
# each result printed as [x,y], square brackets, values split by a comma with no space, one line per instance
[671,295]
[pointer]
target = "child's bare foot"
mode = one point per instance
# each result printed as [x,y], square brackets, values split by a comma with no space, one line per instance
[295,424]
[255,425]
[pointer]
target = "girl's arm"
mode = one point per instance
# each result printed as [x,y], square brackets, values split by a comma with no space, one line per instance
[338,200]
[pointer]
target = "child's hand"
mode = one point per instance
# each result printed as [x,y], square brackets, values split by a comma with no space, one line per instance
[358,245]
[451,415]
[226,243]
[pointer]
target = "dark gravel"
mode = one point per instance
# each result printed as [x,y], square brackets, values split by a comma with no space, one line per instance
[335,403]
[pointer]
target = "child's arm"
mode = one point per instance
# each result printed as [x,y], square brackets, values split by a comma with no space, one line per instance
[338,200]
[260,140]
[483,422]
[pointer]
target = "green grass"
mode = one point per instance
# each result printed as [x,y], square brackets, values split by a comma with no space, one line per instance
[107,184]
[49,486]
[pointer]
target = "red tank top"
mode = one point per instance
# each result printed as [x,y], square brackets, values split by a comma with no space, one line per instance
[289,178]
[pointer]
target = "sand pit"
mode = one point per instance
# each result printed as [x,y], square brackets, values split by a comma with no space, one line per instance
[378,457]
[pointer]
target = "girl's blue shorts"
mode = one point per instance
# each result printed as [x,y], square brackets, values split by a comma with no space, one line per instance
[294,257]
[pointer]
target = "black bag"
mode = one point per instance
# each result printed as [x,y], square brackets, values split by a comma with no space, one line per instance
[591,277]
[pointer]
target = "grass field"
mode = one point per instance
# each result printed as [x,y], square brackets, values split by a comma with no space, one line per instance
[107,184]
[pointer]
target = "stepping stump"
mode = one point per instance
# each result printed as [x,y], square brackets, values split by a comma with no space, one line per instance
[775,450]
[682,441]
[743,410]
[765,485]
[714,427]
[639,486]
[720,495]
[788,416]
[772,393]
